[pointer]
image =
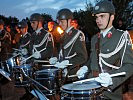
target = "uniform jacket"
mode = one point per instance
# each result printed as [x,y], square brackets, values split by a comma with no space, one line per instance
[37,38]
[107,45]
[25,40]
[76,53]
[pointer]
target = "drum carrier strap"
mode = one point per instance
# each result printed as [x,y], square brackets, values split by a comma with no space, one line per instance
[97,46]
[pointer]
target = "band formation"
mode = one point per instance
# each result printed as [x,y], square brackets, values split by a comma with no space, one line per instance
[54,64]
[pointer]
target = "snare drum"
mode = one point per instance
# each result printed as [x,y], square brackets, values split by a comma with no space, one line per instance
[48,78]
[20,79]
[12,62]
[81,91]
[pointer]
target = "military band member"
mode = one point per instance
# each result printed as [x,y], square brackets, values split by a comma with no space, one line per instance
[53,29]
[25,38]
[41,41]
[73,49]
[111,52]
[6,87]
[74,23]
[41,44]
[5,39]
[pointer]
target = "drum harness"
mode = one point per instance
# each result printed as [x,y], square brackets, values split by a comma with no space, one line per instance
[22,46]
[45,39]
[70,43]
[122,43]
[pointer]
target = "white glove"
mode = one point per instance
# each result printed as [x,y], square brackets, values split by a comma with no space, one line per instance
[36,55]
[24,51]
[81,72]
[14,54]
[104,79]
[53,60]
[62,64]
[22,60]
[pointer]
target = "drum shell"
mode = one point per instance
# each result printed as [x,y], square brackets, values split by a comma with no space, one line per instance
[11,63]
[19,74]
[48,78]
[73,92]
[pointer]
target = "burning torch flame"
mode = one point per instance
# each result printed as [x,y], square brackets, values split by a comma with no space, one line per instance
[60,30]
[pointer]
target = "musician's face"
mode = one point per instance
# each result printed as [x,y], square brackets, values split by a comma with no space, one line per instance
[34,25]
[104,19]
[23,30]
[1,27]
[64,24]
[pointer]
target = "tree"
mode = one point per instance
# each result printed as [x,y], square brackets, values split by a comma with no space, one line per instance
[86,20]
[47,18]
[9,20]
[124,10]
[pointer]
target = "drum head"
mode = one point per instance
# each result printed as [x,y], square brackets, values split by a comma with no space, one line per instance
[82,86]
[81,91]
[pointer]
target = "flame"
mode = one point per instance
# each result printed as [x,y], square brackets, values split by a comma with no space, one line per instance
[60,30]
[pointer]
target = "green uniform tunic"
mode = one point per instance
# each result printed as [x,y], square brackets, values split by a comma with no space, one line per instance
[108,45]
[76,53]
[37,38]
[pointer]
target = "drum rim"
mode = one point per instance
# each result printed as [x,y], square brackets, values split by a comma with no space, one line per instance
[71,88]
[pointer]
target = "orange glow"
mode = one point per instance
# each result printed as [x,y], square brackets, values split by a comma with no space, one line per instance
[60,30]
[18,61]
[131,37]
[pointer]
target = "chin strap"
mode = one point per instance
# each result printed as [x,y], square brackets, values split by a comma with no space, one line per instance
[122,43]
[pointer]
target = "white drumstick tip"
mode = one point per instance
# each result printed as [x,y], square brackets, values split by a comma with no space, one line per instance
[91,79]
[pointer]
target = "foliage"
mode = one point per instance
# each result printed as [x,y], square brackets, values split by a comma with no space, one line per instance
[47,18]
[9,20]
[87,22]
[124,10]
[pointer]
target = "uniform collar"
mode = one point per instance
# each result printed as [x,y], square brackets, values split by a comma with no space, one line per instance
[25,34]
[104,33]
[38,30]
[68,29]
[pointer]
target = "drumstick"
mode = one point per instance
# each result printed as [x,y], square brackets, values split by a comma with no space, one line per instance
[54,65]
[23,61]
[47,65]
[32,55]
[43,61]
[92,79]
[72,76]
[16,49]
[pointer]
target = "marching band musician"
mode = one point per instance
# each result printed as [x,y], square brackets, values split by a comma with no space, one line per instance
[52,28]
[41,41]
[74,23]
[72,47]
[111,52]
[40,46]
[24,39]
[6,87]
[5,39]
